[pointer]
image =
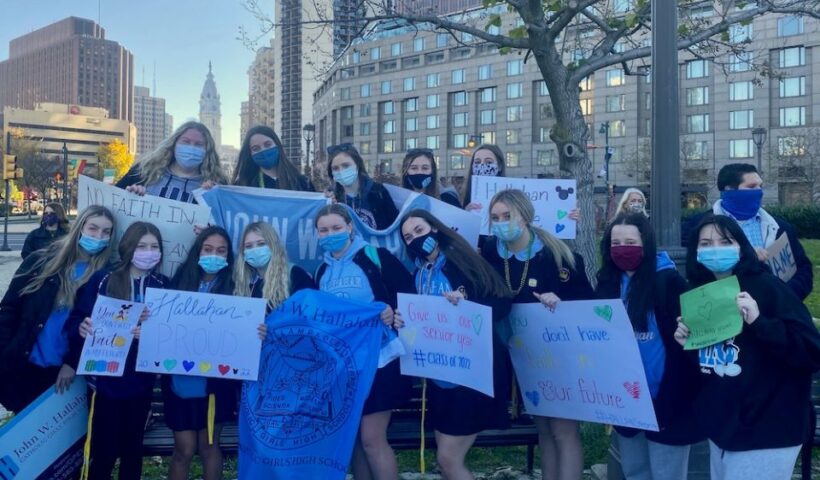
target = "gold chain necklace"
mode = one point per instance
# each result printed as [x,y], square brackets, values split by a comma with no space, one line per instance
[524,273]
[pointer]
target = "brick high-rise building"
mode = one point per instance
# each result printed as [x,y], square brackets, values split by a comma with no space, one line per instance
[69,62]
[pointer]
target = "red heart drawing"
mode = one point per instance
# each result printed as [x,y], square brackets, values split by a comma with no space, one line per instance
[633,389]
[223,369]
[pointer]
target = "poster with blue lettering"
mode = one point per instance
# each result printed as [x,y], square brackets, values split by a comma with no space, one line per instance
[581,362]
[201,334]
[301,418]
[552,199]
[781,259]
[451,343]
[106,348]
[45,440]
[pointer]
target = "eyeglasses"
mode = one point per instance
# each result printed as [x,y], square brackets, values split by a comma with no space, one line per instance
[418,152]
[334,150]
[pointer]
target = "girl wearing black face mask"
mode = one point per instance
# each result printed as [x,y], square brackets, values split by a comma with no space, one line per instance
[53,226]
[420,174]
[263,163]
[650,287]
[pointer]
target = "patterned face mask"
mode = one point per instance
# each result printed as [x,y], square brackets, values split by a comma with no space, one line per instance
[485,169]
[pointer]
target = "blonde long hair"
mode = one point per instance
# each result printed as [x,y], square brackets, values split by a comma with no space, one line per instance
[521,207]
[625,197]
[153,165]
[277,274]
[60,257]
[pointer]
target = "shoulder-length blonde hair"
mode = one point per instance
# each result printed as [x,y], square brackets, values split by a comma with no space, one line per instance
[521,207]
[277,274]
[624,198]
[154,164]
[60,257]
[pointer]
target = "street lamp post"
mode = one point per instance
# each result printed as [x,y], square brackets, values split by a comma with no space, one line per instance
[607,154]
[66,201]
[759,138]
[308,133]
[474,141]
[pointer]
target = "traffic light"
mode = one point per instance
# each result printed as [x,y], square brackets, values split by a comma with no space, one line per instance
[9,166]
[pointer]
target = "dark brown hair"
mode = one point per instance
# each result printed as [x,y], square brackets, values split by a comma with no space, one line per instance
[119,282]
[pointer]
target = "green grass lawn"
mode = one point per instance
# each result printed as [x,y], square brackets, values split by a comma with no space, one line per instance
[813,251]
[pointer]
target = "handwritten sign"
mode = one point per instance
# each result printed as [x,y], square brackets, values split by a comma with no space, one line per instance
[552,199]
[175,220]
[710,312]
[106,348]
[453,343]
[580,362]
[45,440]
[201,334]
[781,258]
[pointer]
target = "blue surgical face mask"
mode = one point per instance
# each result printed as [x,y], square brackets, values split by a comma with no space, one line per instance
[189,156]
[267,158]
[334,242]
[346,176]
[507,231]
[92,245]
[212,264]
[258,257]
[719,259]
[742,204]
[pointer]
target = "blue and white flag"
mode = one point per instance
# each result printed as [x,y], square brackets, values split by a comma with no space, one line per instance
[300,419]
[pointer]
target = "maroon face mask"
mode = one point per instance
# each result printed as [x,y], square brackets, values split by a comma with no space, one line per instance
[627,257]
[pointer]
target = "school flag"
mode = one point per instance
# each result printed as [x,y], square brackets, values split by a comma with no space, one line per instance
[300,419]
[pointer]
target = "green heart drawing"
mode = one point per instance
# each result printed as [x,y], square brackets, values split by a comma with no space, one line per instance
[604,312]
[477,322]
[169,364]
[562,214]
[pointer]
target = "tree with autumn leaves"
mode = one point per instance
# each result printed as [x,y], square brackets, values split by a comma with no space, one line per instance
[115,155]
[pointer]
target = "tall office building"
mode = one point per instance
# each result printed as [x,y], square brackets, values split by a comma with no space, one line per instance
[169,124]
[434,6]
[261,88]
[69,62]
[210,113]
[244,119]
[149,118]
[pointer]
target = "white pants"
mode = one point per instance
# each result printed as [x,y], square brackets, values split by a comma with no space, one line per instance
[643,459]
[764,464]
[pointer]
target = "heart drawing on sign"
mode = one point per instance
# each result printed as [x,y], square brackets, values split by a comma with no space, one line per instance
[187,365]
[604,311]
[633,389]
[705,310]
[533,397]
[408,334]
[559,227]
[169,364]
[477,322]
[204,367]
[223,369]
[562,214]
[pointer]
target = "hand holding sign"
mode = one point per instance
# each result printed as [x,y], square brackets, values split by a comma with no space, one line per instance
[108,336]
[711,314]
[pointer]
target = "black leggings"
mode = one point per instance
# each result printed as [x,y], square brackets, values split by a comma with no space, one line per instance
[117,428]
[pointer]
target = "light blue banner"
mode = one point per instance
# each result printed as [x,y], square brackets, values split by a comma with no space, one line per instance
[300,419]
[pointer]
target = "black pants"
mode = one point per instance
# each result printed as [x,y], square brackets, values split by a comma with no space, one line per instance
[117,428]
[24,383]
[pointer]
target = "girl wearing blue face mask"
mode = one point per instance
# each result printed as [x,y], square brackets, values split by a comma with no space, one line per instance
[537,267]
[754,403]
[180,164]
[34,345]
[263,163]
[358,271]
[352,186]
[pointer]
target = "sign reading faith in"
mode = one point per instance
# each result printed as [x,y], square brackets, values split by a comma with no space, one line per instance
[580,362]
[710,312]
[106,347]
[175,220]
[201,334]
[781,258]
[452,343]
[552,199]
[45,440]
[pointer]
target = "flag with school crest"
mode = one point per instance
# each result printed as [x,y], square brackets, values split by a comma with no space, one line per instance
[300,419]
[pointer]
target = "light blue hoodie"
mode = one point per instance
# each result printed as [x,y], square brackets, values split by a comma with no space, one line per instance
[344,278]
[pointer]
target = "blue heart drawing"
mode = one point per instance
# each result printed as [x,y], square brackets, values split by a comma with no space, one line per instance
[559,227]
[187,365]
[533,397]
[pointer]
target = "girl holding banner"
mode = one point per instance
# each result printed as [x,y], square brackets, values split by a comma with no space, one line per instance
[352,186]
[119,405]
[196,407]
[420,174]
[180,164]
[354,269]
[263,163]
[754,403]
[650,286]
[34,310]
[450,267]
[538,267]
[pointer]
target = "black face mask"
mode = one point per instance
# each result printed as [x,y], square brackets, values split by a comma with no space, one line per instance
[417,181]
[423,245]
[50,219]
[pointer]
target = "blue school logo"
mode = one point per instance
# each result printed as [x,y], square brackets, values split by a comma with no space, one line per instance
[720,358]
[8,469]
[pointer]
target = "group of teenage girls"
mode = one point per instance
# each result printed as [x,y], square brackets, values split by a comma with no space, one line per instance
[749,396]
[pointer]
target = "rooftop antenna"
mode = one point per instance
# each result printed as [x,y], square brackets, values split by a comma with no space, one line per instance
[99,8]
[155,78]
[143,75]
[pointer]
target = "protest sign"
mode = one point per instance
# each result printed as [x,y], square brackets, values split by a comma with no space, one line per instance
[201,334]
[552,199]
[301,418]
[106,347]
[781,258]
[452,343]
[175,220]
[580,362]
[710,312]
[45,440]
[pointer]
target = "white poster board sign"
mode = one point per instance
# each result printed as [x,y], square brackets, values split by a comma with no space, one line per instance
[452,343]
[175,220]
[106,347]
[201,334]
[580,362]
[781,258]
[552,199]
